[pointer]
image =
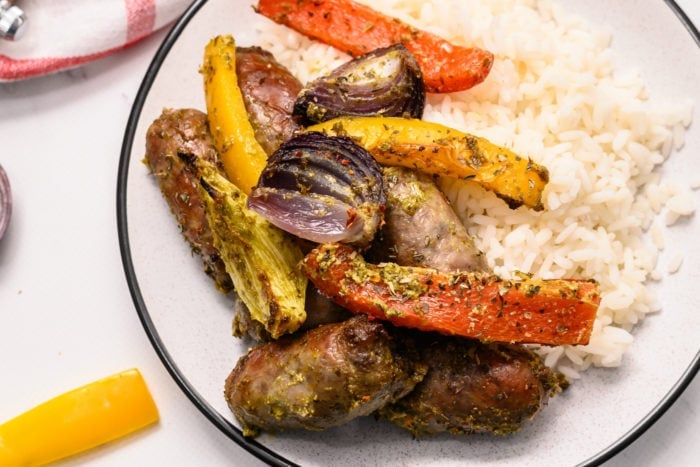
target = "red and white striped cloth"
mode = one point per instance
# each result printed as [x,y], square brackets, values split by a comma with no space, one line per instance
[66,34]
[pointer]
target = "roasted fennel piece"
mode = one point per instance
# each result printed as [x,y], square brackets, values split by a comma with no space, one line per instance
[260,258]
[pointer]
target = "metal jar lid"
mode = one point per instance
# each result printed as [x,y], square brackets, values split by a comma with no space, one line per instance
[13,21]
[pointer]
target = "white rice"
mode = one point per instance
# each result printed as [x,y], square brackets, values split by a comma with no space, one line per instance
[553,94]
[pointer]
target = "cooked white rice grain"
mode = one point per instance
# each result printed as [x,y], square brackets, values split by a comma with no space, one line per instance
[574,355]
[681,203]
[569,372]
[674,264]
[552,355]
[672,217]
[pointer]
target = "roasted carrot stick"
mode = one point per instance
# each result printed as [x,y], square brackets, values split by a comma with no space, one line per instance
[358,29]
[475,305]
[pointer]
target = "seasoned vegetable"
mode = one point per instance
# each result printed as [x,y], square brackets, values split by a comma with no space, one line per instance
[234,136]
[386,82]
[438,150]
[321,378]
[323,189]
[78,420]
[480,306]
[358,29]
[260,258]
[269,91]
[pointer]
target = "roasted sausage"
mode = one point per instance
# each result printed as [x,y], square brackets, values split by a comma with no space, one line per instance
[269,91]
[173,141]
[321,378]
[421,227]
[474,388]
[321,310]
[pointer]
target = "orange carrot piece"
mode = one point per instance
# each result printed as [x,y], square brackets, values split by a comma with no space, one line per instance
[475,305]
[358,29]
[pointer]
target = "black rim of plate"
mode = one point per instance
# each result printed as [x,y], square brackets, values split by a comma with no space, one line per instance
[260,451]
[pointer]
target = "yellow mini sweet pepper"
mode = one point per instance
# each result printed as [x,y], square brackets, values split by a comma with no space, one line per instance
[78,420]
[234,137]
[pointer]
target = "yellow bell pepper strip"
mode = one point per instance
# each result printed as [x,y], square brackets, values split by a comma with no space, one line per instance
[439,150]
[78,420]
[234,137]
[468,304]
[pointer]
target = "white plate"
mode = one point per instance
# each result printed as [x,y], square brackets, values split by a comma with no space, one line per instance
[189,322]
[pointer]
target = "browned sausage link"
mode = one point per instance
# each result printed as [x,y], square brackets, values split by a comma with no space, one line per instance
[321,310]
[269,91]
[421,227]
[243,325]
[172,139]
[321,378]
[473,388]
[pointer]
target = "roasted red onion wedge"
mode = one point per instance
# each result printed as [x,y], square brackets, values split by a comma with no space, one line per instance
[5,201]
[386,82]
[323,189]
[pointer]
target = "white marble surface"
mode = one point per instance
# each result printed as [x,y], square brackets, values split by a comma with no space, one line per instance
[66,316]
